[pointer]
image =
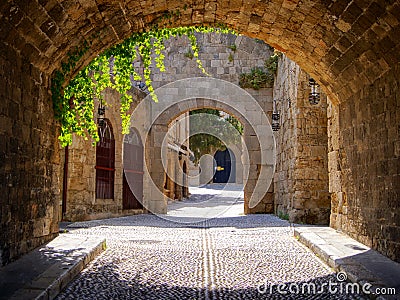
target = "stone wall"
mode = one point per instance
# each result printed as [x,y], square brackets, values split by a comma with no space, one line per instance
[218,59]
[221,62]
[175,187]
[81,202]
[301,178]
[364,163]
[29,158]
[350,47]
[215,53]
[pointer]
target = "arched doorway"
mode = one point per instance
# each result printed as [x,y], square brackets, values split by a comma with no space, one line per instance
[224,166]
[105,162]
[132,186]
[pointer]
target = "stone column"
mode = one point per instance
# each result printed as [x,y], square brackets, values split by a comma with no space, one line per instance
[153,197]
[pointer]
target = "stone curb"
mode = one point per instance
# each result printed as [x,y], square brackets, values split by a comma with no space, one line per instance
[334,248]
[54,279]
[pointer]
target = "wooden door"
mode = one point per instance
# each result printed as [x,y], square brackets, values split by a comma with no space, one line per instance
[133,172]
[222,167]
[105,162]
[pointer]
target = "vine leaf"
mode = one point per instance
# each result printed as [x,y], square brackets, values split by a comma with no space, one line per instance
[114,68]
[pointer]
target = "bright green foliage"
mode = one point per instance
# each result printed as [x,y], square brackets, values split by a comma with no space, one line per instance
[283,216]
[233,47]
[256,79]
[259,77]
[272,63]
[74,105]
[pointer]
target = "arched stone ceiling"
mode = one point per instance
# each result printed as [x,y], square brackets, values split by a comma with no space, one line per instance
[343,44]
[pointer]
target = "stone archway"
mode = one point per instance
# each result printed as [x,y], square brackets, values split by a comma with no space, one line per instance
[190,94]
[350,48]
[319,35]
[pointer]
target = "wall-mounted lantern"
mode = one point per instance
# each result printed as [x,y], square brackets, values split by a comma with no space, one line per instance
[314,95]
[275,118]
[101,111]
[141,86]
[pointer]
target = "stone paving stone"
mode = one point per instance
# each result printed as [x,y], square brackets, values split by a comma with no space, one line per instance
[360,263]
[44,272]
[237,257]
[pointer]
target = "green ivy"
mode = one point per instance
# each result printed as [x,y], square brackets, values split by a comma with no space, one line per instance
[256,79]
[283,216]
[272,63]
[74,104]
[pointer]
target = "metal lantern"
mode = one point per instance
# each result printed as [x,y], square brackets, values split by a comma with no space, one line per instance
[314,95]
[275,126]
[101,111]
[275,117]
[141,86]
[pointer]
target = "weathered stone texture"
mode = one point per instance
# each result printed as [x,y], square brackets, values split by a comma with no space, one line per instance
[221,62]
[81,202]
[350,47]
[29,160]
[214,51]
[364,165]
[301,178]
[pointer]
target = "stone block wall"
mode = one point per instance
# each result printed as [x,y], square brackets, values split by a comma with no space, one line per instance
[351,47]
[29,158]
[221,62]
[364,165]
[215,53]
[217,56]
[81,202]
[301,178]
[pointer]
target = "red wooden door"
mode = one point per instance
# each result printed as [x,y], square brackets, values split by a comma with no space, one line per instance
[105,162]
[133,172]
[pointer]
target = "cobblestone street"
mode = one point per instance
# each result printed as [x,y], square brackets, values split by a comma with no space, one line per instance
[228,257]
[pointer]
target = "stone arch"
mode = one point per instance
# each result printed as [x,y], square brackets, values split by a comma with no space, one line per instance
[350,48]
[328,40]
[189,94]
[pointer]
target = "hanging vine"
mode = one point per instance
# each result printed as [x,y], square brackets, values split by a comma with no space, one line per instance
[74,104]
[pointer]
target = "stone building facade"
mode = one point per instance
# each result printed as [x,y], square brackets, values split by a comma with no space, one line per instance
[300,189]
[218,58]
[226,57]
[178,159]
[301,178]
[80,199]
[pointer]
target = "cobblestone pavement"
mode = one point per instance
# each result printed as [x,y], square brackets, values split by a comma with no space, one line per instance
[241,257]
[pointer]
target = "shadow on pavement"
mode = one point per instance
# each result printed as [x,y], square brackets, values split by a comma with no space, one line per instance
[113,285]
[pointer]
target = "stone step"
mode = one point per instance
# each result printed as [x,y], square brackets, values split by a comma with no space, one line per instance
[360,263]
[44,272]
